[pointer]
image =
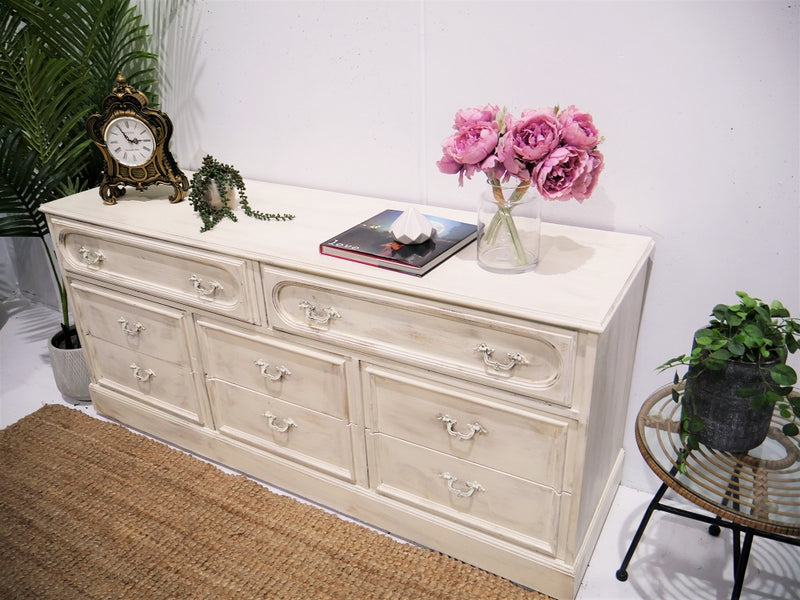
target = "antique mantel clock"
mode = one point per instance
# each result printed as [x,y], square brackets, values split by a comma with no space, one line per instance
[134,140]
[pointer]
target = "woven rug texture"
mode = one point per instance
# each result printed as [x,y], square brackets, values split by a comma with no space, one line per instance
[91,510]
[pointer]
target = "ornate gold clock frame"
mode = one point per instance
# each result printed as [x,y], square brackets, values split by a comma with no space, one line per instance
[134,140]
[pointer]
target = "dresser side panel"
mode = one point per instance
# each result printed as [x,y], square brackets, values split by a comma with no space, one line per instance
[605,417]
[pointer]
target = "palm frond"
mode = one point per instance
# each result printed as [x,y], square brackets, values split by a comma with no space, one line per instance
[23,187]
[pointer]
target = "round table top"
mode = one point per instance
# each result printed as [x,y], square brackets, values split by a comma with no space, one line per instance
[760,489]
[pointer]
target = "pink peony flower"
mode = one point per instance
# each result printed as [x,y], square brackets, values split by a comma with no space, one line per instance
[466,150]
[577,129]
[471,116]
[528,139]
[555,176]
[584,184]
[555,150]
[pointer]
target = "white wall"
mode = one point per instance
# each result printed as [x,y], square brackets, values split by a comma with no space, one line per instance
[699,103]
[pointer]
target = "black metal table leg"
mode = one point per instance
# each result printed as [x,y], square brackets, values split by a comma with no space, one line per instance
[622,572]
[741,567]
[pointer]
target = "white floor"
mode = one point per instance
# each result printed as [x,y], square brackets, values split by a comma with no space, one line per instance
[676,559]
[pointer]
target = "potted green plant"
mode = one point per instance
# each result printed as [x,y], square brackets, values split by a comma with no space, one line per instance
[737,374]
[216,188]
[57,63]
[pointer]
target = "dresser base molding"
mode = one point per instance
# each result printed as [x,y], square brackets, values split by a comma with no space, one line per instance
[529,569]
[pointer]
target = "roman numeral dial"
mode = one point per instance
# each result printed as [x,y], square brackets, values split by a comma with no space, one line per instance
[130,141]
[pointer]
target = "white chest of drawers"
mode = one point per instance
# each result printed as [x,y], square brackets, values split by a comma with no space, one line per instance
[390,398]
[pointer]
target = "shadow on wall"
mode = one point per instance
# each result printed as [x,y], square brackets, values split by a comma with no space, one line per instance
[596,212]
[175,27]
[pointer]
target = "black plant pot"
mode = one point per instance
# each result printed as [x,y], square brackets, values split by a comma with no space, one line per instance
[729,422]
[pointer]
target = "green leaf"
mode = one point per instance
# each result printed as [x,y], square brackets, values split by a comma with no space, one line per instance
[736,348]
[747,300]
[748,392]
[722,355]
[24,186]
[721,311]
[704,340]
[736,319]
[695,424]
[778,310]
[783,375]
[754,331]
[772,397]
[790,429]
[763,312]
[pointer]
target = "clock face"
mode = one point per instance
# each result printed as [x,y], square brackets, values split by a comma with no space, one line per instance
[130,141]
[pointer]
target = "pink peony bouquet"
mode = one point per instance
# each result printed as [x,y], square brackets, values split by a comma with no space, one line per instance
[551,149]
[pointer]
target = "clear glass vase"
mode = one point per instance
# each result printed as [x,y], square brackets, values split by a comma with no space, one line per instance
[509,223]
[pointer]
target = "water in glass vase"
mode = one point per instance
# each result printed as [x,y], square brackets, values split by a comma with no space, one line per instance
[509,222]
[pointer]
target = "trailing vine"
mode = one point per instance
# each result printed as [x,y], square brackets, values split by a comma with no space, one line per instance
[227,179]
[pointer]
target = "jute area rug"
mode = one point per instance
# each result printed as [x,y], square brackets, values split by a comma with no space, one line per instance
[89,509]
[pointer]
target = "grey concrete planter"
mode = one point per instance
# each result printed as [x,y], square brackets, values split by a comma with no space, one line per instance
[730,424]
[69,369]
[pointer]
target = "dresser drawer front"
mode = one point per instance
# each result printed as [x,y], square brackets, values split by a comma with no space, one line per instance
[217,283]
[310,378]
[160,383]
[296,433]
[535,360]
[479,429]
[141,326]
[482,498]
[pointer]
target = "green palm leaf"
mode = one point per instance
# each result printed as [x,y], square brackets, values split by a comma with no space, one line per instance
[23,187]
[58,61]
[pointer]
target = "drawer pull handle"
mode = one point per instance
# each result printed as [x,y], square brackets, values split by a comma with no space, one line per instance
[137,372]
[136,328]
[514,359]
[280,372]
[466,489]
[280,428]
[210,290]
[91,259]
[450,424]
[319,316]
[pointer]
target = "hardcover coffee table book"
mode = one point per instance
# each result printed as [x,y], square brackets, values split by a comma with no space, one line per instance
[371,242]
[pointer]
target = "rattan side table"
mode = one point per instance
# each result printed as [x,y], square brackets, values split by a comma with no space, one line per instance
[755,494]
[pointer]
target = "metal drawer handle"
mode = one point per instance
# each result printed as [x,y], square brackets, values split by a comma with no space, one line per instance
[514,359]
[319,316]
[136,328]
[91,259]
[450,424]
[280,372]
[137,372]
[467,488]
[211,290]
[272,420]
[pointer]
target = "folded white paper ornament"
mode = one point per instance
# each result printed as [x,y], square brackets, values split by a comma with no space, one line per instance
[412,227]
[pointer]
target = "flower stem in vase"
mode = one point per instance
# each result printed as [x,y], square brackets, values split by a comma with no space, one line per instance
[503,217]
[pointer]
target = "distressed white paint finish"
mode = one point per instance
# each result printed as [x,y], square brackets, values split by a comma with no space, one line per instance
[367,390]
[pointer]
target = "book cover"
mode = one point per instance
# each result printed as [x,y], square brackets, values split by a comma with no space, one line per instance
[371,242]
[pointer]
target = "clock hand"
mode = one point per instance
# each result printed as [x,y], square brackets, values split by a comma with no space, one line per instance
[129,140]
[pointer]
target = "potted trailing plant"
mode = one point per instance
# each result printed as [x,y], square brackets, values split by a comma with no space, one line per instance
[58,60]
[737,374]
[215,190]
